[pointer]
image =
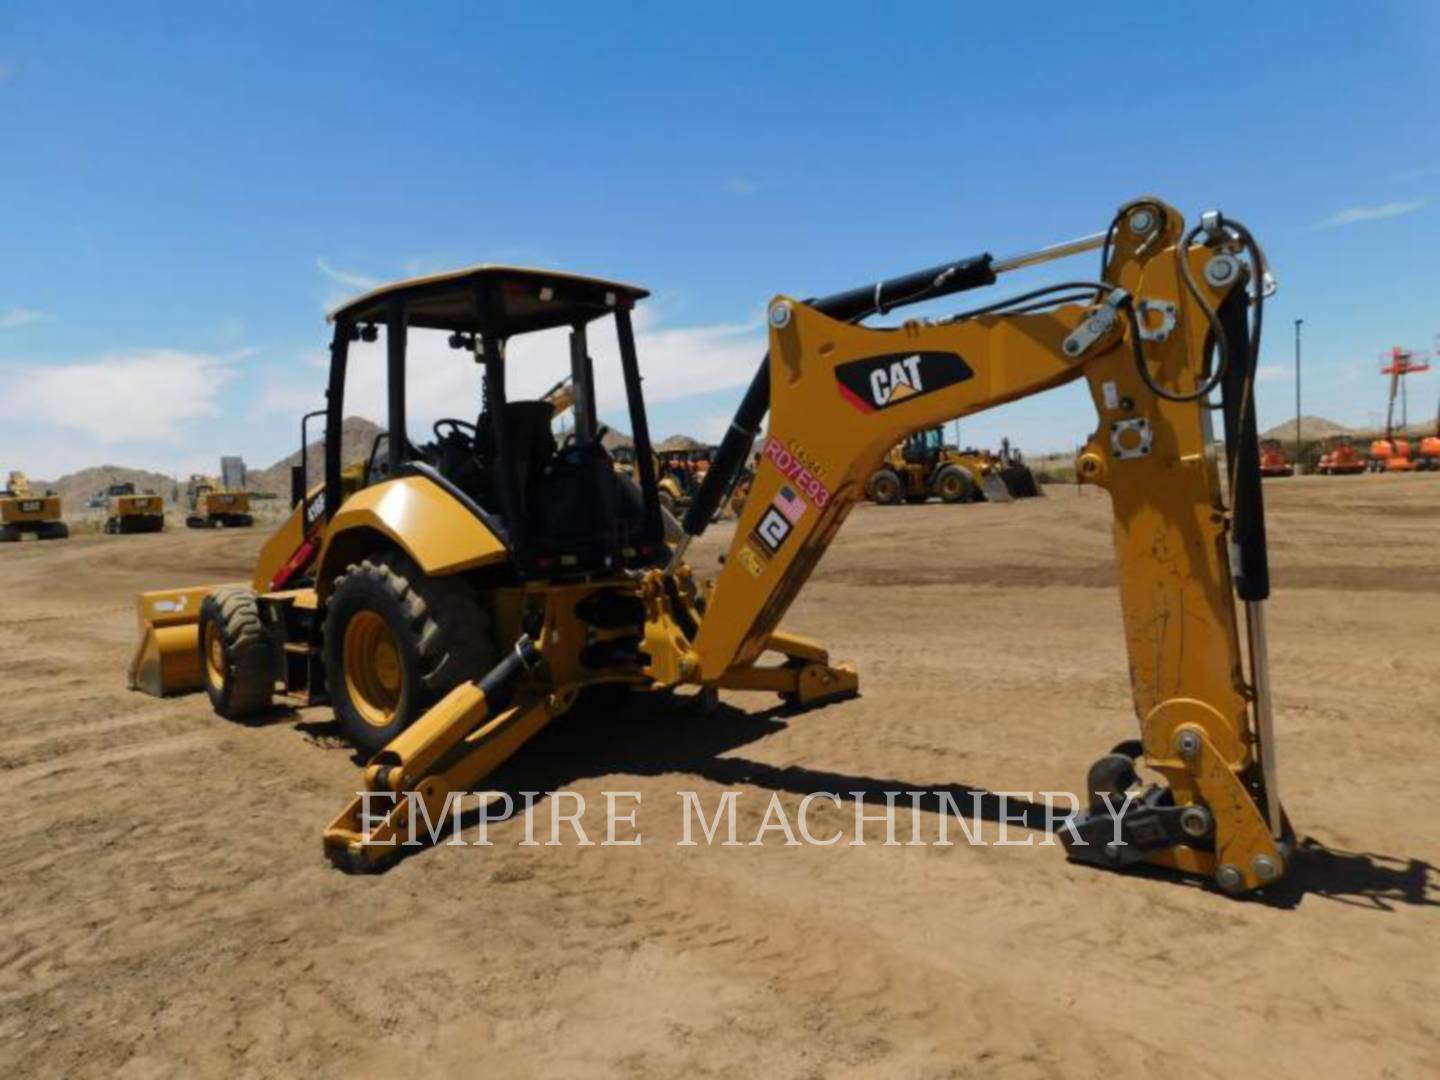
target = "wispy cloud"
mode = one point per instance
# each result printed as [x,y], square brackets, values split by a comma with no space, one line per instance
[1354,215]
[349,278]
[741,185]
[20,316]
[145,396]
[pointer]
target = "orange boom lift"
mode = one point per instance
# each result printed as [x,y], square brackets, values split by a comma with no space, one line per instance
[1430,448]
[1392,453]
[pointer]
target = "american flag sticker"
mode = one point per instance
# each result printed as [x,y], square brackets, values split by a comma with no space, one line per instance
[790,503]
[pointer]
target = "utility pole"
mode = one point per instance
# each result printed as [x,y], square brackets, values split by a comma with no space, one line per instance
[1297,392]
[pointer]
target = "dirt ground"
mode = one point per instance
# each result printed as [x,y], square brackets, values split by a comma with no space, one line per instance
[166,909]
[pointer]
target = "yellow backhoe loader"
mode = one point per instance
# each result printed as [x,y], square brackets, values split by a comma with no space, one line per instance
[22,511]
[464,595]
[131,511]
[212,505]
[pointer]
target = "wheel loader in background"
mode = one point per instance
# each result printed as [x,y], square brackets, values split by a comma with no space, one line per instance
[451,609]
[23,511]
[924,466]
[131,511]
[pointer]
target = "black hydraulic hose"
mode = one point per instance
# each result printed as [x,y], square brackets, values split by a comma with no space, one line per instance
[1250,559]
[499,682]
[851,305]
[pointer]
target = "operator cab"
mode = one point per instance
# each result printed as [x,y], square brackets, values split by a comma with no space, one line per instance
[558,504]
[923,447]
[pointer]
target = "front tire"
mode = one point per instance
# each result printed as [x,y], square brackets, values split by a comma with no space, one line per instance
[954,485]
[235,654]
[395,642]
[885,488]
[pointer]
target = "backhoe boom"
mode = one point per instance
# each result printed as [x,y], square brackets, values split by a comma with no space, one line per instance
[840,394]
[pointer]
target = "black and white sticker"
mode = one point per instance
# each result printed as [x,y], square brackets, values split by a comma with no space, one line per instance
[772,530]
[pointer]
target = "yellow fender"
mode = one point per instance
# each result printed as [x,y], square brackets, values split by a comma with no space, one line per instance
[418,516]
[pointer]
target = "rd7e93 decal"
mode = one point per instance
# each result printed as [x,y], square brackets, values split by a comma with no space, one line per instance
[877,382]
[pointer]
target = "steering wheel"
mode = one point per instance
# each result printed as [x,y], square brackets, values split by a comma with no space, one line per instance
[460,427]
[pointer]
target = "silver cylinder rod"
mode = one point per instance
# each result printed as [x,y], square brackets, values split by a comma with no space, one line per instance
[1264,716]
[1049,254]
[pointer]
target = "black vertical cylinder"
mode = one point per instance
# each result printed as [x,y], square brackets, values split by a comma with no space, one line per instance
[1251,565]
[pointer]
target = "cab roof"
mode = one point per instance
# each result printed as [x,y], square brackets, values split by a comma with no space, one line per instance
[522,300]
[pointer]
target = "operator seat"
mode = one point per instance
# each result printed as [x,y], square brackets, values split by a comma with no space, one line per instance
[532,446]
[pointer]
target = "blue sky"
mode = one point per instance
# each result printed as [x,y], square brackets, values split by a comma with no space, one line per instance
[184,189]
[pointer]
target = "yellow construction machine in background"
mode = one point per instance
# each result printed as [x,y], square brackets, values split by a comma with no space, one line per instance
[451,604]
[23,511]
[131,511]
[924,466]
[213,505]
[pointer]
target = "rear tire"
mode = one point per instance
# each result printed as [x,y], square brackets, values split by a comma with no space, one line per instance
[53,530]
[235,654]
[954,485]
[9,534]
[885,488]
[395,642]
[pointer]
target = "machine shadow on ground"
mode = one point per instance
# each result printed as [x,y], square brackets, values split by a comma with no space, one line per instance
[661,734]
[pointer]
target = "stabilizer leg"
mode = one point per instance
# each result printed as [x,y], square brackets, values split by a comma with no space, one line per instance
[467,735]
[806,678]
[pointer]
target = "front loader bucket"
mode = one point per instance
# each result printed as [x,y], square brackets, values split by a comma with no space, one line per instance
[995,489]
[167,660]
[1020,481]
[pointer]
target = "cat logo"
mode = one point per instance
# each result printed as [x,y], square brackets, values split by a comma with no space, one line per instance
[902,380]
[878,382]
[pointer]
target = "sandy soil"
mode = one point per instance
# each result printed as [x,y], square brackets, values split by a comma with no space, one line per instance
[166,910]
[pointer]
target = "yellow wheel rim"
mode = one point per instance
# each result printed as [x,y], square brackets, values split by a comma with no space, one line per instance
[214,655]
[374,675]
